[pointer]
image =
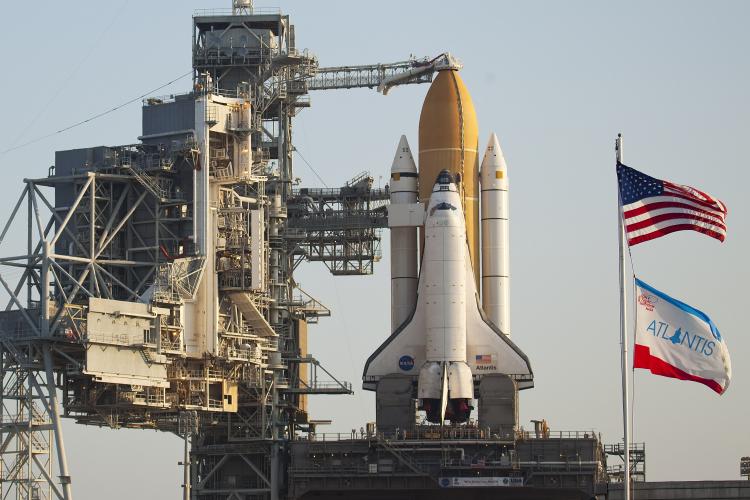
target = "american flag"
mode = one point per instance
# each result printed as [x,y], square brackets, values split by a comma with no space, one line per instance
[484,359]
[652,208]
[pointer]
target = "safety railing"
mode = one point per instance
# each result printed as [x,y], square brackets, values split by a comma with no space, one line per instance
[255,11]
[428,432]
[556,435]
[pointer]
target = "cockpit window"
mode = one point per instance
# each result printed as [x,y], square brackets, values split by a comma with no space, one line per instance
[442,206]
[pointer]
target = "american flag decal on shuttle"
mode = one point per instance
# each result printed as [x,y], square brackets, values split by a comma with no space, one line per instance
[484,359]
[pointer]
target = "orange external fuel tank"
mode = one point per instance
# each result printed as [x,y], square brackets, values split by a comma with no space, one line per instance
[449,139]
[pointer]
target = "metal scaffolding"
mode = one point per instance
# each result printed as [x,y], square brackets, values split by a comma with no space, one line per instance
[30,428]
[156,286]
[340,226]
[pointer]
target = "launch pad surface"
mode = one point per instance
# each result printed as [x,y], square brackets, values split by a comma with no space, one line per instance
[428,462]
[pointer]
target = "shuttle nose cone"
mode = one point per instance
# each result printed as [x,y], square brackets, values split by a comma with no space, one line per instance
[445,182]
[444,178]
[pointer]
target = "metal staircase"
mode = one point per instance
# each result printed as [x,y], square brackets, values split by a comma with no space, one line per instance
[404,459]
[148,182]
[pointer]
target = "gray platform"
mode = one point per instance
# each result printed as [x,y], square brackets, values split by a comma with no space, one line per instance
[685,490]
[421,463]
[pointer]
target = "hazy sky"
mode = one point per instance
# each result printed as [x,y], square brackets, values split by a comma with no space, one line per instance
[556,81]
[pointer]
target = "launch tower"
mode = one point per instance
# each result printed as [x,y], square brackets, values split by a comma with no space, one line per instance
[156,288]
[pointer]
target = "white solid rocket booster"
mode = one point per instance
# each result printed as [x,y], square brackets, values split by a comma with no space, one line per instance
[495,248]
[404,277]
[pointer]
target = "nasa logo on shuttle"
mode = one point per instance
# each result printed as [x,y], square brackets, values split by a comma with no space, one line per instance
[406,363]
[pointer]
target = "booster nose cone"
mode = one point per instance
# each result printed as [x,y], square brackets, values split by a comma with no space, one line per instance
[493,172]
[403,161]
[403,174]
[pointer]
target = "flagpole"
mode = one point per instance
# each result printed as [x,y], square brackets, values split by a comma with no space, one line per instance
[623,335]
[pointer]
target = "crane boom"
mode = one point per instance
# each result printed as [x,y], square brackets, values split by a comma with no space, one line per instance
[381,76]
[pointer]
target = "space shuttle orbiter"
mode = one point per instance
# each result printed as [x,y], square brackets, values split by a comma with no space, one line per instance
[447,342]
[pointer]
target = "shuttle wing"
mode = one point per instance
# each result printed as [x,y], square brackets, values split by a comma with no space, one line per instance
[488,350]
[403,352]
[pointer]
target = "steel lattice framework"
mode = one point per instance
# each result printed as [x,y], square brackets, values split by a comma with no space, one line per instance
[155,285]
